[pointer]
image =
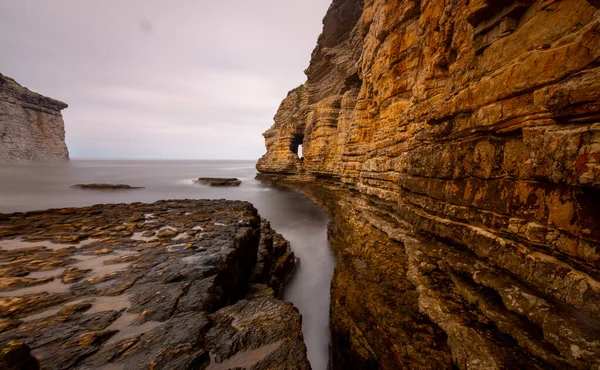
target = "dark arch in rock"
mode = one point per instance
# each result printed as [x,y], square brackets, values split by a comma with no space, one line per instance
[296,143]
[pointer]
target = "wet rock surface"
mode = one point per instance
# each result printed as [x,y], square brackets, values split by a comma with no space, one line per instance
[218,181]
[99,286]
[235,327]
[456,146]
[106,186]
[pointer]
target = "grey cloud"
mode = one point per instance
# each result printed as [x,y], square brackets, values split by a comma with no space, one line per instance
[149,78]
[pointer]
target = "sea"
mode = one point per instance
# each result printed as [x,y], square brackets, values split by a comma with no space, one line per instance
[28,186]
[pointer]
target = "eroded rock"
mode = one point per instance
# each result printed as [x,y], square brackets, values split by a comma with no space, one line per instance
[271,347]
[16,355]
[109,298]
[437,133]
[31,125]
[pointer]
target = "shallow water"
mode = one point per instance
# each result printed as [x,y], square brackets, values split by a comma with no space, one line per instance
[99,265]
[244,358]
[124,324]
[12,244]
[27,186]
[54,286]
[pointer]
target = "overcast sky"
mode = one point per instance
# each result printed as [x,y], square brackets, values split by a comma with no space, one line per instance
[191,79]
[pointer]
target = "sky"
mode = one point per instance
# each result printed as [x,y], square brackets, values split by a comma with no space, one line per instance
[184,79]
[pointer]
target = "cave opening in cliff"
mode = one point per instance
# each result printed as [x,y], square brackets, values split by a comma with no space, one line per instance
[296,146]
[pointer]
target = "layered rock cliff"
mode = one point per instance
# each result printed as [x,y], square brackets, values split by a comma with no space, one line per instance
[456,146]
[31,125]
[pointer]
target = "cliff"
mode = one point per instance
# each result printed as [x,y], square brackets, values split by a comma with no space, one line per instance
[456,146]
[31,125]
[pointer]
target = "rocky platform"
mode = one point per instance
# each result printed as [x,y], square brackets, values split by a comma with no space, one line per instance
[168,285]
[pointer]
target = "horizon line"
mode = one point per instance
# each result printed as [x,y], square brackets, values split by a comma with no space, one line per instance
[162,159]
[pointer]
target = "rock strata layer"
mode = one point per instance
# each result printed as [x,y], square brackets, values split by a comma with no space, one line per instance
[168,285]
[456,145]
[31,125]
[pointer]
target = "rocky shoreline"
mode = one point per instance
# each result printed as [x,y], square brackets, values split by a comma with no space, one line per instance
[403,297]
[169,285]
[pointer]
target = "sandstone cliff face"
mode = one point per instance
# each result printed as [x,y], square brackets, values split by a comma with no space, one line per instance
[456,145]
[31,125]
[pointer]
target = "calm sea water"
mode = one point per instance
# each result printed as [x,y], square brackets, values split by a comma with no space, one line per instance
[27,186]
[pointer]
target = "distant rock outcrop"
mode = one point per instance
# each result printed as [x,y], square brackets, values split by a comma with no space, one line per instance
[106,186]
[218,181]
[31,125]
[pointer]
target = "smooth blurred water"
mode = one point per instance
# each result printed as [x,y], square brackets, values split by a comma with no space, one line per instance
[26,186]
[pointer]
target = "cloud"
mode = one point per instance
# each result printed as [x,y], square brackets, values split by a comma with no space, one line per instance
[151,79]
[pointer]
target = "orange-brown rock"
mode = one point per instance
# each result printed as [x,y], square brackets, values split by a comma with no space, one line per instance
[456,145]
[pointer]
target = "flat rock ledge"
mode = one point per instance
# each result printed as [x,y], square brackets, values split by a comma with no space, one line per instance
[218,181]
[189,284]
[106,186]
